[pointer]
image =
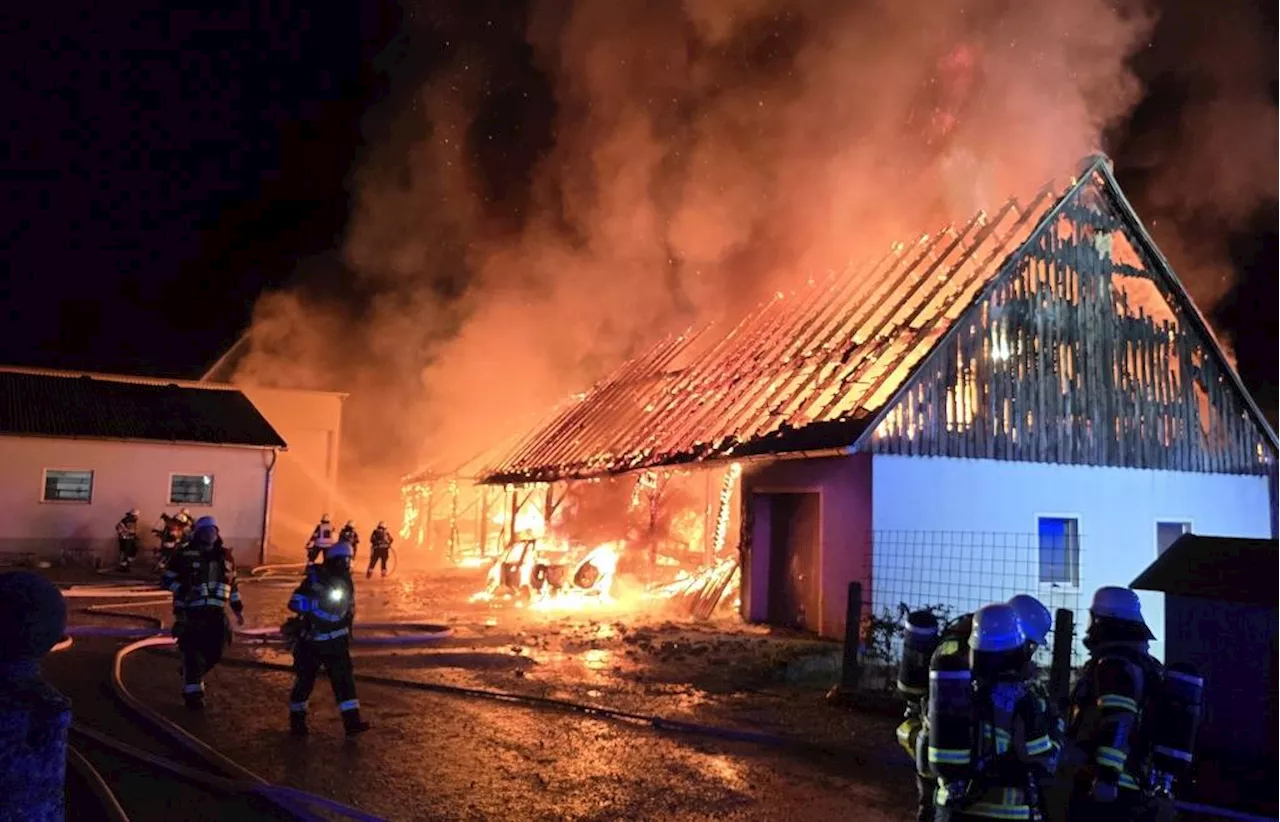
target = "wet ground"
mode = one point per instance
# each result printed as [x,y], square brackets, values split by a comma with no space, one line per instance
[440,756]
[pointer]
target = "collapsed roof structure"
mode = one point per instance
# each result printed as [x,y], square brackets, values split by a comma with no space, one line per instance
[941,347]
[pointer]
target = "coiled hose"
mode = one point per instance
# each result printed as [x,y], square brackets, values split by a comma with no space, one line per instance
[421,633]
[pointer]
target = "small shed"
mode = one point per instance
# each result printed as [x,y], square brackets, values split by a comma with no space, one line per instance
[1221,616]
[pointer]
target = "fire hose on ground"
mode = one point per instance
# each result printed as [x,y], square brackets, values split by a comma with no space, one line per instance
[294,802]
[419,633]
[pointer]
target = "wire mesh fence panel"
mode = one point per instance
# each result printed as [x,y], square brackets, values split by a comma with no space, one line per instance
[953,573]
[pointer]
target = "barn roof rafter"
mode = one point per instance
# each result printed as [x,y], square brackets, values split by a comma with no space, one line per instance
[816,369]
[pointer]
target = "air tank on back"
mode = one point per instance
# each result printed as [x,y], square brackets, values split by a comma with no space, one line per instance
[950,717]
[919,641]
[1175,724]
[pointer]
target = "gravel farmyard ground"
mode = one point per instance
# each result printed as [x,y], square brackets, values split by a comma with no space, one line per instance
[438,756]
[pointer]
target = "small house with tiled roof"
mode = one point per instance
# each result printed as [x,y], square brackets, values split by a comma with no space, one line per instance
[1027,401]
[80,450]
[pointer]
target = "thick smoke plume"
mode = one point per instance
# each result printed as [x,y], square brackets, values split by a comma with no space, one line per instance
[701,154]
[1207,172]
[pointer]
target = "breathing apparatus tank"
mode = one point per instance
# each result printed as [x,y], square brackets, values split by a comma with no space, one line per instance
[1173,725]
[918,644]
[951,717]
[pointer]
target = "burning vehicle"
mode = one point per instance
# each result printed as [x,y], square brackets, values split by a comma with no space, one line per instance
[530,570]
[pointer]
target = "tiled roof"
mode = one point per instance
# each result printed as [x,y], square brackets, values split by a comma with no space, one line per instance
[70,405]
[806,371]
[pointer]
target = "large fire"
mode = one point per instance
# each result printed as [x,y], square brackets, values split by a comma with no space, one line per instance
[623,544]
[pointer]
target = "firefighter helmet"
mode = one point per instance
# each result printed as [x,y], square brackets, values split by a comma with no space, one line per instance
[1114,602]
[996,628]
[1035,618]
[337,550]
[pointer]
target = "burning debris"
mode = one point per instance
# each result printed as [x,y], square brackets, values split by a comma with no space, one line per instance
[654,542]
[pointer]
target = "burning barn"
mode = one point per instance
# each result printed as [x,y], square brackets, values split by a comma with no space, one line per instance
[954,422]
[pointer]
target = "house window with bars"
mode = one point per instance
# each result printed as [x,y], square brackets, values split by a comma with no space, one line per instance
[191,489]
[67,486]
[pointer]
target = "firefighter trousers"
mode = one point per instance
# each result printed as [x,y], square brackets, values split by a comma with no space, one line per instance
[128,549]
[926,787]
[335,657]
[201,640]
[377,555]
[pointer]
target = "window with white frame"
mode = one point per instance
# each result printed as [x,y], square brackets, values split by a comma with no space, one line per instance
[1167,533]
[191,489]
[1059,551]
[62,485]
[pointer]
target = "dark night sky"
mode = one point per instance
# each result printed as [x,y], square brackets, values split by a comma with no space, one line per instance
[163,167]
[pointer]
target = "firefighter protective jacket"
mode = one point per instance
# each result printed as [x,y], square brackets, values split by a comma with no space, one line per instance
[127,528]
[1015,748]
[202,576]
[326,604]
[1107,708]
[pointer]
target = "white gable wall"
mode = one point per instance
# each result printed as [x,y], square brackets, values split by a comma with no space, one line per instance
[1117,509]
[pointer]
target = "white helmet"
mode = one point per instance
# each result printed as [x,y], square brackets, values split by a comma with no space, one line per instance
[1114,602]
[350,524]
[996,628]
[381,524]
[324,517]
[133,512]
[184,513]
[1035,618]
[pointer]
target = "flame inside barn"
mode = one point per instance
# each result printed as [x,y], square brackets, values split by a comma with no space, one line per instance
[972,382]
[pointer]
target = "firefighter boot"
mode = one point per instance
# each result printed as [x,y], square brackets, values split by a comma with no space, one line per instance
[352,723]
[369,573]
[194,701]
[298,723]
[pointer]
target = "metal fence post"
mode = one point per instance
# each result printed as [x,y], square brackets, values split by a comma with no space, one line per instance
[1060,668]
[851,666]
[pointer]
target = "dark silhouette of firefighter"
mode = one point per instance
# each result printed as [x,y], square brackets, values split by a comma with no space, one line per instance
[379,549]
[1132,724]
[921,643]
[320,635]
[171,533]
[127,539]
[990,735]
[349,535]
[202,578]
[321,538]
[185,522]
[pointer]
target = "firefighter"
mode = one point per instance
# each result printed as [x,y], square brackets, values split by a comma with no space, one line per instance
[321,538]
[1037,622]
[1106,712]
[127,539]
[990,735]
[913,732]
[169,532]
[202,578]
[320,635]
[379,549]
[185,522]
[349,536]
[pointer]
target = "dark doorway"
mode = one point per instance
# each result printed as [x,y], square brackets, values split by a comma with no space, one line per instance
[794,578]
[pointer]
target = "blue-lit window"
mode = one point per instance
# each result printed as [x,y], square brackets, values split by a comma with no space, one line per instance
[1167,533]
[191,489]
[1059,551]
